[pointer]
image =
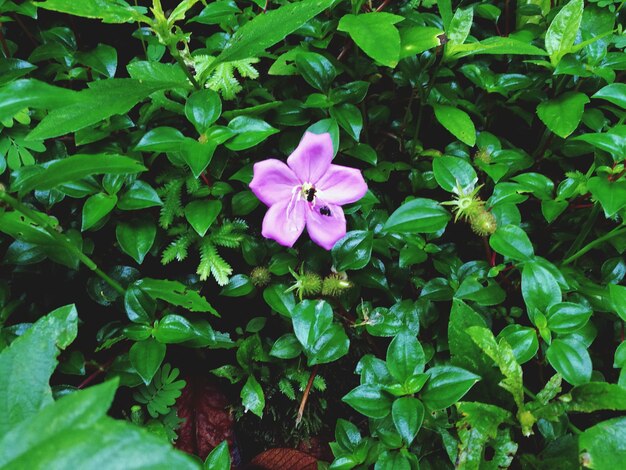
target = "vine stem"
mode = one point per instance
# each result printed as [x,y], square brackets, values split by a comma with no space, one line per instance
[305,396]
[181,64]
[5,47]
[613,233]
[59,238]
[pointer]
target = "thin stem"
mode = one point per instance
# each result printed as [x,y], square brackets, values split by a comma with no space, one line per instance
[582,235]
[613,233]
[5,47]
[59,238]
[181,64]
[424,97]
[305,396]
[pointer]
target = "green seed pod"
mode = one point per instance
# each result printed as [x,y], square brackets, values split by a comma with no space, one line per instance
[483,223]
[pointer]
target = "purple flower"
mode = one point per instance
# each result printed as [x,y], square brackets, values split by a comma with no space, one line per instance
[309,190]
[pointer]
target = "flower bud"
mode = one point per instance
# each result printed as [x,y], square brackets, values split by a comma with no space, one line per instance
[260,276]
[483,223]
[334,285]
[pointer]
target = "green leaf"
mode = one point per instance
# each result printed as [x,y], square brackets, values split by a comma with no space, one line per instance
[96,208]
[176,294]
[349,117]
[457,122]
[405,356]
[407,414]
[618,297]
[219,458]
[317,70]
[104,99]
[567,317]
[28,363]
[279,300]
[446,385]
[614,93]
[30,93]
[502,355]
[10,69]
[78,410]
[109,11]
[102,59]
[562,31]
[139,306]
[523,341]
[570,358]
[459,27]
[238,286]
[56,172]
[74,433]
[202,109]
[252,397]
[249,132]
[161,139]
[418,216]
[201,214]
[496,46]
[611,194]
[454,174]
[286,347]
[563,114]
[136,238]
[369,400]
[140,195]
[602,446]
[353,251]
[268,28]
[146,357]
[465,353]
[322,340]
[417,39]
[174,329]
[478,425]
[539,288]
[376,34]
[595,396]
[512,242]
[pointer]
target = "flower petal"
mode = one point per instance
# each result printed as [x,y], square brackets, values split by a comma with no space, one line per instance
[283,223]
[311,158]
[341,185]
[273,181]
[325,230]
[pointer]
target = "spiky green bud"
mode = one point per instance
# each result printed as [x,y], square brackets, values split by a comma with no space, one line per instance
[334,285]
[306,285]
[260,276]
[483,223]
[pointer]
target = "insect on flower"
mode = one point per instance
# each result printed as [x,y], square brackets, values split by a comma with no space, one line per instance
[307,191]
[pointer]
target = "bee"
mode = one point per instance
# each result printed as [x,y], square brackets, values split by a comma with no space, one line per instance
[325,211]
[310,194]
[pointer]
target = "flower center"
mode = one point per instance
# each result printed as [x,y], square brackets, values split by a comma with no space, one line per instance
[308,192]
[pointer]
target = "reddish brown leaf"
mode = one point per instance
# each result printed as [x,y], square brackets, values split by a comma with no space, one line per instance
[208,420]
[283,459]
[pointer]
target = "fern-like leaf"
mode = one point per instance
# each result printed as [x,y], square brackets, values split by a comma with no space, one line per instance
[212,263]
[286,388]
[161,393]
[172,206]
[178,249]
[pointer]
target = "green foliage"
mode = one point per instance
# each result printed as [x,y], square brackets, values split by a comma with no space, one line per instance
[161,393]
[478,292]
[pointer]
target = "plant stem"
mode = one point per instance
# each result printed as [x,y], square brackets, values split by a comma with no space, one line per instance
[5,47]
[181,63]
[613,233]
[305,396]
[59,238]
